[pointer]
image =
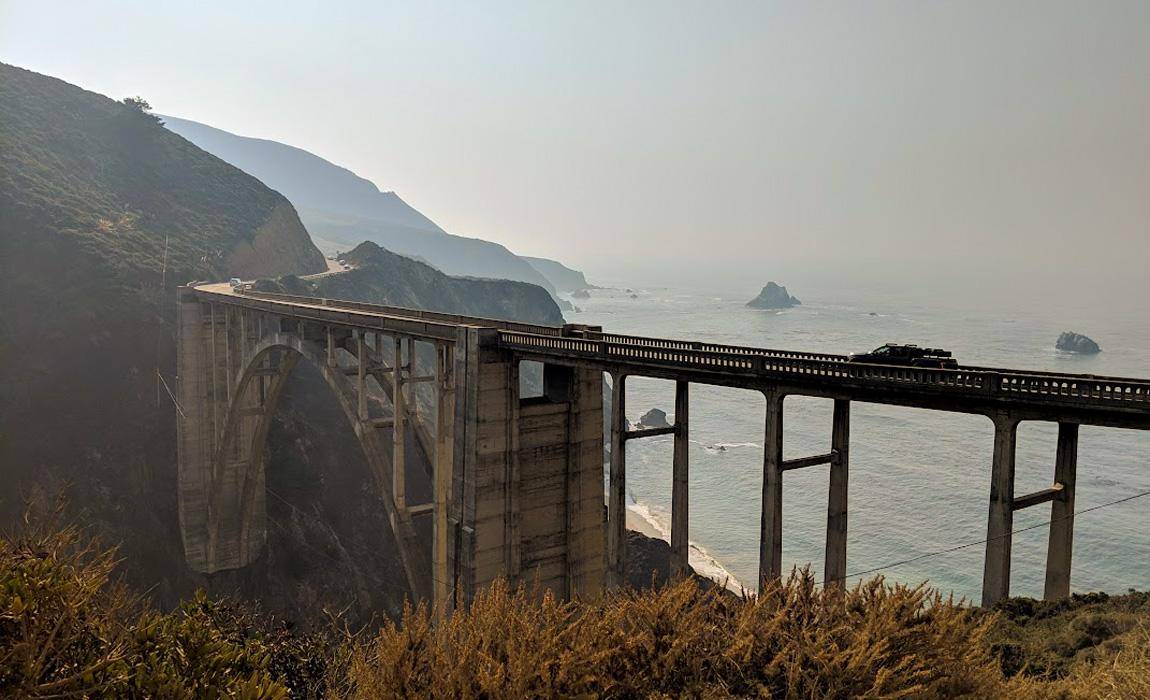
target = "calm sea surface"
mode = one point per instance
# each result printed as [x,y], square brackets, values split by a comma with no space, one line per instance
[919,479]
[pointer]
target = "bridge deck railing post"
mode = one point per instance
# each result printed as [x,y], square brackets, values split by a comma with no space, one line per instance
[680,512]
[1058,553]
[1000,522]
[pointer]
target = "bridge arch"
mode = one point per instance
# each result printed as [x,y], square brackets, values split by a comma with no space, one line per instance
[235,528]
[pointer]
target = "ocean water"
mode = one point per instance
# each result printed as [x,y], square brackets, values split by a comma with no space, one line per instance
[919,479]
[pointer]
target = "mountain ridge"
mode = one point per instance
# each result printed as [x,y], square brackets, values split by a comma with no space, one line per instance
[340,209]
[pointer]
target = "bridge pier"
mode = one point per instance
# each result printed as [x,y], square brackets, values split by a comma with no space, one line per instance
[771,523]
[1058,552]
[680,510]
[1000,522]
[398,430]
[532,474]
[443,544]
[771,527]
[835,569]
[617,496]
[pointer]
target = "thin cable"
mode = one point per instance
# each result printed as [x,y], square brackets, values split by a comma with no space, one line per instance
[955,548]
[179,409]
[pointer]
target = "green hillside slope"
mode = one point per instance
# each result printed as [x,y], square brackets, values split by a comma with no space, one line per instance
[102,213]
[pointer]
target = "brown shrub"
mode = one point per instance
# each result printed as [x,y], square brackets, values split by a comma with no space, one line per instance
[795,640]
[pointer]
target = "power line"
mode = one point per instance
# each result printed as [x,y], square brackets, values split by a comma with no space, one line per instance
[967,545]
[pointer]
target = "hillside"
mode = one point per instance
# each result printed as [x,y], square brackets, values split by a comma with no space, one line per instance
[102,213]
[342,209]
[562,277]
[383,277]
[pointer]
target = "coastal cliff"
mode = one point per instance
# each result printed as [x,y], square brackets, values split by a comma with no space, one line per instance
[103,212]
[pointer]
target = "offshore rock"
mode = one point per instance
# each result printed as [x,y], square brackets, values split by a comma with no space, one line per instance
[1069,341]
[655,418]
[773,296]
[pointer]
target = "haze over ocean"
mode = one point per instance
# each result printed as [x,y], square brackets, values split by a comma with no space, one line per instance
[919,480]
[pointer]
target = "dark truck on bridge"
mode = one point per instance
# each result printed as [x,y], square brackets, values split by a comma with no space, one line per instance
[908,355]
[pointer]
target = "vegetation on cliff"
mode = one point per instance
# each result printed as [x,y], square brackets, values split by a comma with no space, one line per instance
[67,629]
[383,277]
[103,212]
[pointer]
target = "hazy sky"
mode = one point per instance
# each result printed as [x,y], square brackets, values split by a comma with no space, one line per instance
[736,138]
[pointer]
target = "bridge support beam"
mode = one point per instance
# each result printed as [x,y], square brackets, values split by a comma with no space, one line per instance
[1058,553]
[680,512]
[835,569]
[617,498]
[443,555]
[399,431]
[771,523]
[996,570]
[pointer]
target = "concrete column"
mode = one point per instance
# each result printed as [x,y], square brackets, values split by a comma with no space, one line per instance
[680,513]
[617,500]
[361,375]
[1062,515]
[413,408]
[771,525]
[996,571]
[444,461]
[835,570]
[331,360]
[399,434]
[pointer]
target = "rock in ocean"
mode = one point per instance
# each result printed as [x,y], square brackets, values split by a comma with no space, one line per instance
[1069,341]
[773,296]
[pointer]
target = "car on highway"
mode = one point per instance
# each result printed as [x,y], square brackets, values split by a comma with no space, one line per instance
[908,355]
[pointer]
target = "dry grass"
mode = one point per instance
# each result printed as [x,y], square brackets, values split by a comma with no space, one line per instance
[66,630]
[874,641]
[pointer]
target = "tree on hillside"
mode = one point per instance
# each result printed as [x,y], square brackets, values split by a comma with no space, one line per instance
[142,106]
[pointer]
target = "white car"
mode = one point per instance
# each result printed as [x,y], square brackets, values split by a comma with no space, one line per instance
[236,282]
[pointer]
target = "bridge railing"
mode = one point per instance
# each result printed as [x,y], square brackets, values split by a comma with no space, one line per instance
[664,343]
[400,311]
[1091,390]
[976,383]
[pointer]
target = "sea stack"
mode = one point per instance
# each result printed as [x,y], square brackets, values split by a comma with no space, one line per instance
[1068,341]
[655,418]
[773,296]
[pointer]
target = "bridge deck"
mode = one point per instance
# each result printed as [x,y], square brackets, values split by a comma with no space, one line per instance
[1036,395]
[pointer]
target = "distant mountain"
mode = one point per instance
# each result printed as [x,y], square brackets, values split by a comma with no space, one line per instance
[102,214]
[562,277]
[341,209]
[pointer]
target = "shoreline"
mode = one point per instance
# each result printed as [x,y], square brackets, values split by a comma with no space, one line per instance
[643,520]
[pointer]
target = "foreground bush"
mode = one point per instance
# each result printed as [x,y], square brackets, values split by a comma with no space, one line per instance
[793,641]
[67,631]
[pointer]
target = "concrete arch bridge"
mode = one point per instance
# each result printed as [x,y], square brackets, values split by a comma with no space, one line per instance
[517,482]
